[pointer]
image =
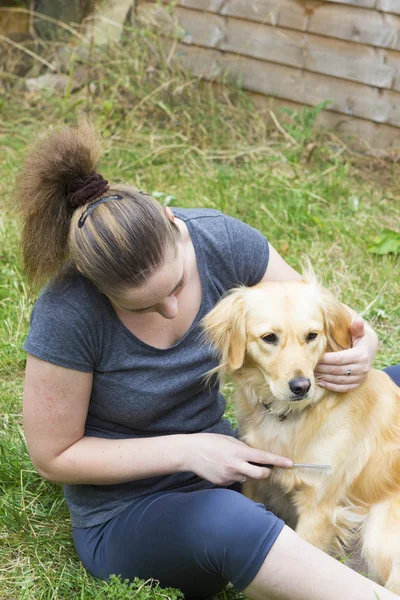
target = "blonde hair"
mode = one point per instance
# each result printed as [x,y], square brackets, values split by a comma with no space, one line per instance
[121,243]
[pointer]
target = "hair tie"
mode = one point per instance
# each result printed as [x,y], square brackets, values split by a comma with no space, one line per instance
[82,190]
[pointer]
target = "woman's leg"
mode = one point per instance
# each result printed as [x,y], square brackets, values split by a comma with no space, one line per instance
[295,570]
[394,373]
[195,541]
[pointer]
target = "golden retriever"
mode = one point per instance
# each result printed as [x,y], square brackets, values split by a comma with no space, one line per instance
[270,338]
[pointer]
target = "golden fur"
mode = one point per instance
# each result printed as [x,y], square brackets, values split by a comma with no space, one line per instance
[357,432]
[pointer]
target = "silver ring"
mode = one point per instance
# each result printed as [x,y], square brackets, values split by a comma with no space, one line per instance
[348,371]
[244,479]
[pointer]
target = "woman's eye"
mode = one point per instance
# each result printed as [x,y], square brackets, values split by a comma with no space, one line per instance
[180,286]
[311,336]
[270,338]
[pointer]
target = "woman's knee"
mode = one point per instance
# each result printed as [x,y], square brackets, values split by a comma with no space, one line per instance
[221,513]
[233,534]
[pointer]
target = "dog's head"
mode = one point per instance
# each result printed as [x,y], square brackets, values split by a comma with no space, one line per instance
[277,332]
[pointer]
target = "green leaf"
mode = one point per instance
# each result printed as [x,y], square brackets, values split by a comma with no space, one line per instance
[388,242]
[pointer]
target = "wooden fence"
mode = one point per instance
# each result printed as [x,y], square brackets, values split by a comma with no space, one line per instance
[296,52]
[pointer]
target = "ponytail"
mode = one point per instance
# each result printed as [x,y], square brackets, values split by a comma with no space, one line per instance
[116,243]
[42,195]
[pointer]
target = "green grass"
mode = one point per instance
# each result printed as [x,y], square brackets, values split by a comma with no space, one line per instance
[204,146]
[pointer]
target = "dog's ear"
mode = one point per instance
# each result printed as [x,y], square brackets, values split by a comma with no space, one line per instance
[225,326]
[337,323]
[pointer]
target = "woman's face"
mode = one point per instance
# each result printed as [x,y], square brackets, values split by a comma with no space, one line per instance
[160,293]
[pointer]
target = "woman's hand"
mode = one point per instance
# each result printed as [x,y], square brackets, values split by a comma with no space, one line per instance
[223,459]
[345,370]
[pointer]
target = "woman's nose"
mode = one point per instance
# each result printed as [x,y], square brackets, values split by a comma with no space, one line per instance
[168,308]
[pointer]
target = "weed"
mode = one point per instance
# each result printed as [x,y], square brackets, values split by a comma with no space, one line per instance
[301,127]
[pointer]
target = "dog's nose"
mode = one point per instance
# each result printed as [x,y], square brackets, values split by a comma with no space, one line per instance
[299,386]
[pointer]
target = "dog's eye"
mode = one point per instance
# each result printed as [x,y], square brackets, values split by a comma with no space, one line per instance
[311,336]
[270,338]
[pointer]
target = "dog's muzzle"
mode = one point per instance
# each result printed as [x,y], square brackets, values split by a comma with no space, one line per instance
[299,386]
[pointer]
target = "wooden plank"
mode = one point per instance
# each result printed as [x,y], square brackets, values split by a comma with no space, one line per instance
[347,97]
[355,62]
[391,6]
[295,84]
[331,19]
[202,29]
[392,59]
[210,5]
[202,62]
[265,42]
[391,100]
[358,3]
[290,13]
[315,53]
[364,26]
[284,13]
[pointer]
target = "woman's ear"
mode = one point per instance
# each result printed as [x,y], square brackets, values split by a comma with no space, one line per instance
[337,323]
[225,326]
[170,214]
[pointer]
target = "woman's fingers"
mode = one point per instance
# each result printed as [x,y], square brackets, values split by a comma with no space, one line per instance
[341,358]
[339,362]
[267,458]
[258,464]
[333,387]
[338,371]
[261,470]
[254,472]
[346,380]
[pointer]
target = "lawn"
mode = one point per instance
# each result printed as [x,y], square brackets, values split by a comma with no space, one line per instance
[190,144]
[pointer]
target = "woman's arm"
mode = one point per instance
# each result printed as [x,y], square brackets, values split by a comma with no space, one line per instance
[278,269]
[56,402]
[333,365]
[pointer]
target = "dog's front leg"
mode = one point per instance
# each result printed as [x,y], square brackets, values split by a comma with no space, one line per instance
[315,525]
[254,490]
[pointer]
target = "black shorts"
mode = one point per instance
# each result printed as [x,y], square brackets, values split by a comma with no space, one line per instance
[194,541]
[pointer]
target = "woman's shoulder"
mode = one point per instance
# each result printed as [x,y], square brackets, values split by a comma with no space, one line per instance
[206,223]
[198,214]
[217,224]
[72,288]
[71,305]
[66,325]
[233,250]
[207,229]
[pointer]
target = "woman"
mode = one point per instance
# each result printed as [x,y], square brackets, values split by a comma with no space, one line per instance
[116,407]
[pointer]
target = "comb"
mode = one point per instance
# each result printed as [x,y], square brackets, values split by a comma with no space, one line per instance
[295,466]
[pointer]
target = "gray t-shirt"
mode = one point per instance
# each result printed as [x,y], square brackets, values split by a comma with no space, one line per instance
[139,390]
